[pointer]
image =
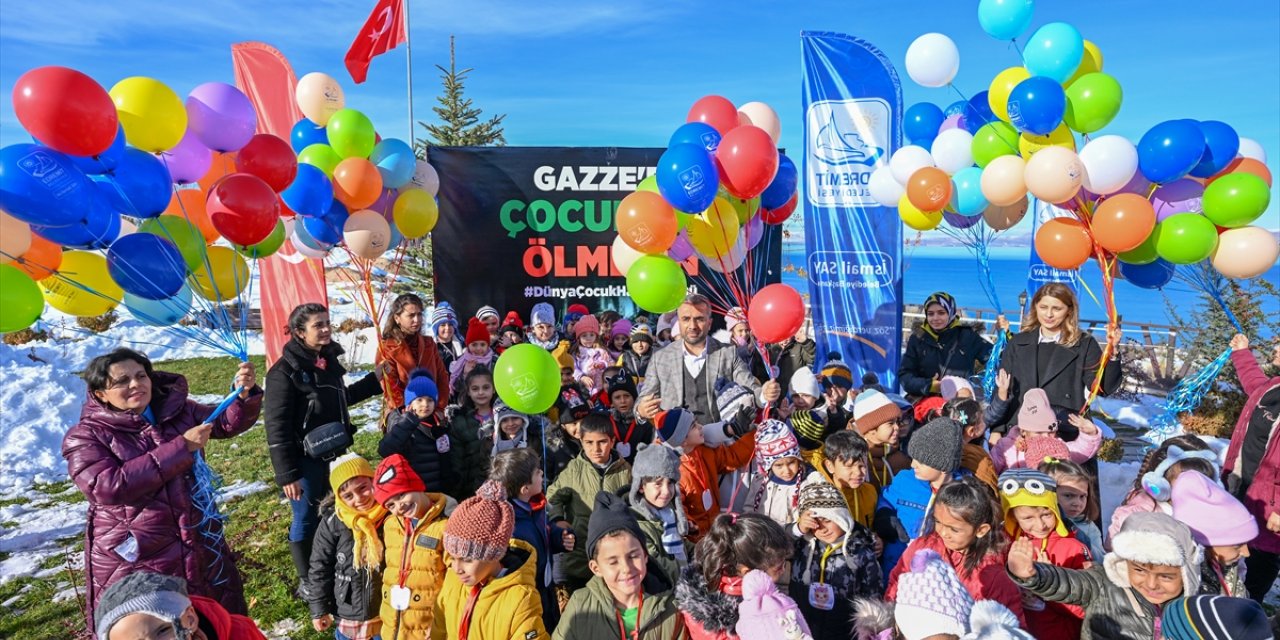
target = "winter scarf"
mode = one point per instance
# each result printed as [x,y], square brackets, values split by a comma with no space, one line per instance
[459,366]
[367,551]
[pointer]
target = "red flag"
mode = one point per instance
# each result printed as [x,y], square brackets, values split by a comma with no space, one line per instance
[382,32]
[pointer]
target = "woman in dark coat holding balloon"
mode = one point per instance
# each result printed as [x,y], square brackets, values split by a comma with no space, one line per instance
[942,347]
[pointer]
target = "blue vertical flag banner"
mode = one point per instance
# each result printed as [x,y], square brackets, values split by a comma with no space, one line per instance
[1039,273]
[853,123]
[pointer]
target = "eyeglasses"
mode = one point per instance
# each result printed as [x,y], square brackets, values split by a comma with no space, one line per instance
[123,382]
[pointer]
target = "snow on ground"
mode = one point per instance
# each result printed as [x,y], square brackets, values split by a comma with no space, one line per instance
[1137,414]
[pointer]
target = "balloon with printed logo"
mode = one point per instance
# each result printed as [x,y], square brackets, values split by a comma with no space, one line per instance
[351,134]
[221,116]
[1110,162]
[426,178]
[159,313]
[41,259]
[188,161]
[15,238]
[1004,180]
[1221,144]
[1090,62]
[1037,105]
[646,222]
[356,183]
[1005,19]
[366,234]
[716,111]
[1151,275]
[1236,200]
[1092,102]
[759,114]
[906,161]
[1122,222]
[775,313]
[306,133]
[1054,175]
[1001,87]
[1243,165]
[100,226]
[1029,145]
[1185,238]
[327,229]
[65,110]
[527,378]
[320,156]
[657,284]
[713,232]
[921,121]
[415,213]
[696,133]
[1063,243]
[268,246]
[184,235]
[993,140]
[43,187]
[153,116]
[82,286]
[929,189]
[966,192]
[1246,252]
[146,265]
[1170,150]
[1054,51]
[395,161]
[222,277]
[1002,218]
[933,60]
[884,189]
[917,219]
[953,150]
[319,96]
[310,194]
[20,301]
[269,158]
[243,208]
[783,186]
[687,177]
[747,159]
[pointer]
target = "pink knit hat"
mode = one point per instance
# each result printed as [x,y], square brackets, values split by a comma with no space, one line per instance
[1215,517]
[767,614]
[1043,447]
[1036,414]
[481,527]
[588,324]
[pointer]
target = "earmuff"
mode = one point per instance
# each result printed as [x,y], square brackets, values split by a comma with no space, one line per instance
[1157,486]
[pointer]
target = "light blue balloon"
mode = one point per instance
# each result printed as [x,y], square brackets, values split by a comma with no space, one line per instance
[159,313]
[1054,51]
[966,192]
[395,161]
[1005,19]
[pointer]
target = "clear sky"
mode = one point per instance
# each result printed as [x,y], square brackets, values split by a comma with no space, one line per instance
[600,73]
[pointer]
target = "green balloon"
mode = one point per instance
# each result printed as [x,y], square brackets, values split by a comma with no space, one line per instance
[1093,101]
[656,283]
[648,184]
[682,219]
[527,378]
[320,156]
[993,140]
[20,301]
[1185,238]
[182,233]
[351,134]
[267,247]
[1144,253]
[1236,199]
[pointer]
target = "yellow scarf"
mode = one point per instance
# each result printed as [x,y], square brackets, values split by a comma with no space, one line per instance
[367,551]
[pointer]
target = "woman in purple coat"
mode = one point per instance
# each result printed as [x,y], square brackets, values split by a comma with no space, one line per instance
[132,455]
[1252,468]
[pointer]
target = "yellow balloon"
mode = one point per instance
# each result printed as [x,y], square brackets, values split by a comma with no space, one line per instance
[1091,62]
[917,219]
[1001,87]
[153,116]
[82,287]
[230,275]
[714,232]
[415,213]
[1061,137]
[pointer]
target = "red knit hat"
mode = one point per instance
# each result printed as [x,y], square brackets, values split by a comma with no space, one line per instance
[512,320]
[394,477]
[476,331]
[481,527]
[579,308]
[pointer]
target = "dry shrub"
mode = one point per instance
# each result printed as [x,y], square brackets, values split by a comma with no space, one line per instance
[98,324]
[23,336]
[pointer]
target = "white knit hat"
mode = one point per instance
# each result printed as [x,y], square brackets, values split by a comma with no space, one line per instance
[931,599]
[803,381]
[991,620]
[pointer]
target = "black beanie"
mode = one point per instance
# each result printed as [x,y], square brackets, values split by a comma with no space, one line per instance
[611,513]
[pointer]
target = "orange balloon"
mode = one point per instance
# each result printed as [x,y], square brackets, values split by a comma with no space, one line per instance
[223,165]
[1243,165]
[188,204]
[1063,243]
[1123,222]
[41,259]
[357,183]
[929,189]
[646,222]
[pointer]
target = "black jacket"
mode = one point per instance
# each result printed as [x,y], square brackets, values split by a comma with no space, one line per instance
[954,352]
[334,585]
[561,450]
[1066,379]
[790,356]
[300,397]
[420,442]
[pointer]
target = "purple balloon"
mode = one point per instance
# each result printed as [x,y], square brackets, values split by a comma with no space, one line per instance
[1180,196]
[754,231]
[952,122]
[681,249]
[1138,184]
[385,204]
[188,161]
[960,222]
[221,116]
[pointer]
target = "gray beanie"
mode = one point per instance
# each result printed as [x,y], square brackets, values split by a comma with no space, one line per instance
[653,461]
[159,596]
[937,444]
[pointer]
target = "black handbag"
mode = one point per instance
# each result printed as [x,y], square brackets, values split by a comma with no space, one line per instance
[327,441]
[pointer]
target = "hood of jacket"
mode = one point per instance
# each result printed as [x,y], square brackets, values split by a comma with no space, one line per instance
[714,610]
[519,567]
[1154,538]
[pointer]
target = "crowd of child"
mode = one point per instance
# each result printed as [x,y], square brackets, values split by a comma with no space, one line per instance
[838,512]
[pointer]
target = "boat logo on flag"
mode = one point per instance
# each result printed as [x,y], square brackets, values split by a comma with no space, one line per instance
[846,144]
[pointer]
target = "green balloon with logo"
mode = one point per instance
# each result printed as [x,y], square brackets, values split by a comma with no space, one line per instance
[527,378]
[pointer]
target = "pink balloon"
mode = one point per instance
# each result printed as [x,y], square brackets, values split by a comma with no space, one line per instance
[1179,196]
[952,122]
[188,161]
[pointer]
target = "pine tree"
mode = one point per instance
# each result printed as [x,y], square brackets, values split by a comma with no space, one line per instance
[460,124]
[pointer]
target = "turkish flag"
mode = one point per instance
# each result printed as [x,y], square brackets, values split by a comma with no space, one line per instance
[382,32]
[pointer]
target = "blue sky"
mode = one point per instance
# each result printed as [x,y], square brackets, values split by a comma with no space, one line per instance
[617,74]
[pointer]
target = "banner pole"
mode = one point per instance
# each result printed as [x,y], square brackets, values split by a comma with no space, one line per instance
[408,59]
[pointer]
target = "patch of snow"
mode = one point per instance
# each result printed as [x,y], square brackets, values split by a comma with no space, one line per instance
[282,630]
[240,489]
[42,528]
[1137,414]
[1114,481]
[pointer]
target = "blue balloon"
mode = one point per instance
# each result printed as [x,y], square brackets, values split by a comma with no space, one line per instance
[395,161]
[96,231]
[1221,144]
[687,177]
[159,313]
[955,108]
[1036,105]
[302,235]
[144,182]
[1170,149]
[306,133]
[1054,51]
[311,194]
[921,122]
[1148,276]
[699,133]
[1005,19]
[147,266]
[966,192]
[103,162]
[977,113]
[327,230]
[783,186]
[43,187]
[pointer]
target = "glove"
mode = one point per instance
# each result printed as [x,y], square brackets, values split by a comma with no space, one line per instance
[743,423]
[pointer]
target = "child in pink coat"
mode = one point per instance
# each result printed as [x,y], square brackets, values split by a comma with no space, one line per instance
[1026,445]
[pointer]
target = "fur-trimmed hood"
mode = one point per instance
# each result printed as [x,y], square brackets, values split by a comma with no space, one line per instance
[715,611]
[1154,538]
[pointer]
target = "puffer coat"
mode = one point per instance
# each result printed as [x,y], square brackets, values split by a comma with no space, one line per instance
[508,607]
[338,588]
[422,567]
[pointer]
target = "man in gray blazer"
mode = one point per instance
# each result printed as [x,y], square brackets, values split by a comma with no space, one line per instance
[685,372]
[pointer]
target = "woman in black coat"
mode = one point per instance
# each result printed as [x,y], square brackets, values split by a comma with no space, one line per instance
[305,390]
[942,347]
[1052,353]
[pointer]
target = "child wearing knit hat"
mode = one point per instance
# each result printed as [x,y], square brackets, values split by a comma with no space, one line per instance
[837,390]
[635,360]
[931,600]
[444,327]
[905,504]
[701,465]
[775,484]
[619,338]
[656,504]
[1214,617]
[766,613]
[489,591]
[419,433]
[877,419]
[413,561]
[1035,436]
[142,603]
[629,430]
[510,332]
[805,389]
[478,350]
[590,358]
[1222,525]
[542,326]
[488,316]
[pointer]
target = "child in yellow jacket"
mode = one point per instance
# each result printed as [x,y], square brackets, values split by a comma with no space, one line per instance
[414,562]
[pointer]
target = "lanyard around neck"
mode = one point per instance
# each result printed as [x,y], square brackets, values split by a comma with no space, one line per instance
[622,627]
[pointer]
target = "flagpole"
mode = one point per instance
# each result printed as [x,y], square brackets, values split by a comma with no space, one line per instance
[408,57]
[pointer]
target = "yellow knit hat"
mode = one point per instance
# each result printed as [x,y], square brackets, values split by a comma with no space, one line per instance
[346,467]
[1028,488]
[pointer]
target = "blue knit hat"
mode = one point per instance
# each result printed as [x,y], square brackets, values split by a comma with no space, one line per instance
[420,384]
[1209,617]
[443,314]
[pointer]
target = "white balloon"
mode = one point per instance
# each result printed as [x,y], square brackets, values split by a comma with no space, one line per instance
[933,60]
[730,261]
[953,150]
[426,178]
[623,255]
[1251,148]
[762,115]
[908,160]
[1109,164]
[303,249]
[884,188]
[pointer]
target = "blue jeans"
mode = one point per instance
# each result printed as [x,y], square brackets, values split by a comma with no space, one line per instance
[306,509]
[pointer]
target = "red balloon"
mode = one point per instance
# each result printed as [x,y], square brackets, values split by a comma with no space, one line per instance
[780,215]
[243,208]
[66,110]
[716,111]
[748,161]
[775,313]
[269,158]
